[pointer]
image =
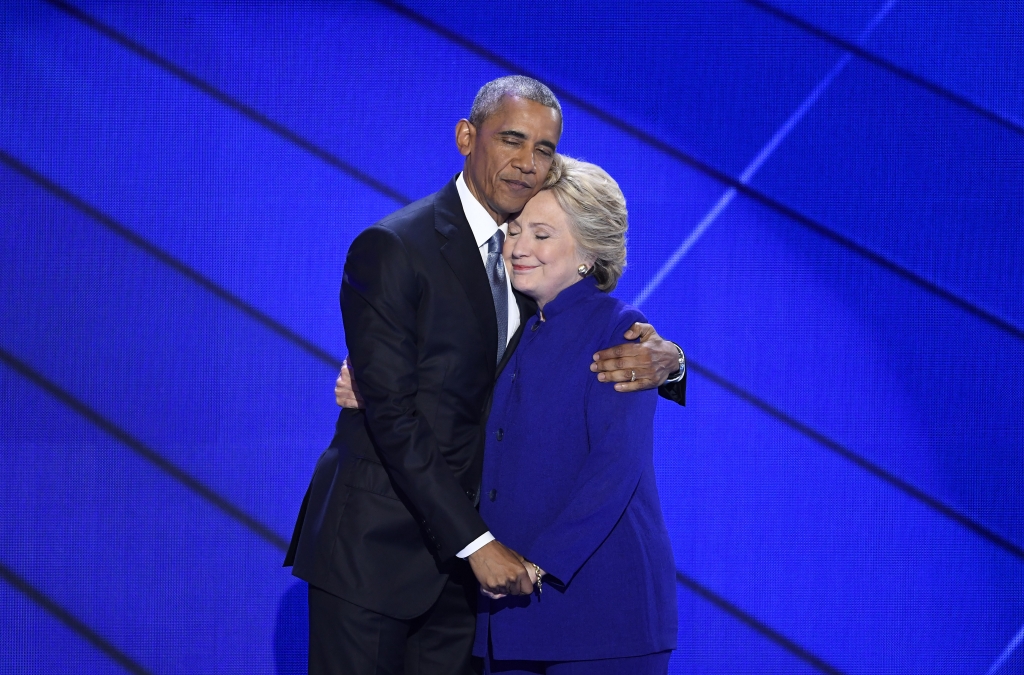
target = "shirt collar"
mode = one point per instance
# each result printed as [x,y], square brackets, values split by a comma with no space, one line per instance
[479,220]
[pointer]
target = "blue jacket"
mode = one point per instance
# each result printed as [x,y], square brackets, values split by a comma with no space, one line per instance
[568,482]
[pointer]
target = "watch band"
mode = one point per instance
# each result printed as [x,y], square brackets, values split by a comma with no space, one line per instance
[682,366]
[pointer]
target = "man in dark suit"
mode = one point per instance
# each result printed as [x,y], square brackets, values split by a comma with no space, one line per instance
[390,519]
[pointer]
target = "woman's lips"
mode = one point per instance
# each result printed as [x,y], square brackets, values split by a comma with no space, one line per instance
[523,268]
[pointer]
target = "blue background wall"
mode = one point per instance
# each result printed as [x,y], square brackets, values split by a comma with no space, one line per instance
[827,211]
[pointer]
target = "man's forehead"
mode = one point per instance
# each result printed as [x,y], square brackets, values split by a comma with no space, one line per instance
[517,113]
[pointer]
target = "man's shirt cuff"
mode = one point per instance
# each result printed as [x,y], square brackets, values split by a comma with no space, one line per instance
[476,545]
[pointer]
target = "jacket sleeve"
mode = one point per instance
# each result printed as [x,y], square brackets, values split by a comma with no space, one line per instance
[675,391]
[620,431]
[380,296]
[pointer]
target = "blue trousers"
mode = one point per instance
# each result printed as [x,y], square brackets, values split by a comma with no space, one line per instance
[649,664]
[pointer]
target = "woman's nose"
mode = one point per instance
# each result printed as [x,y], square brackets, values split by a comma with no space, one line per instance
[509,246]
[518,247]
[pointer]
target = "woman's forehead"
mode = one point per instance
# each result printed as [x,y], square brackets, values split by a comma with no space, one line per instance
[542,209]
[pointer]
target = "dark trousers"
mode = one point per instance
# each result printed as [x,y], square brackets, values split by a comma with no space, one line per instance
[649,664]
[345,639]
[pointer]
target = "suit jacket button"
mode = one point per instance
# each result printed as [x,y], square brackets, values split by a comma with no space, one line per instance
[501,434]
[492,495]
[471,494]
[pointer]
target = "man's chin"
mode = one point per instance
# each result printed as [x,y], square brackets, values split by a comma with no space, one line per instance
[516,197]
[513,206]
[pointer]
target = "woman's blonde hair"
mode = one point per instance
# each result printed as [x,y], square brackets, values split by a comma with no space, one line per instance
[597,215]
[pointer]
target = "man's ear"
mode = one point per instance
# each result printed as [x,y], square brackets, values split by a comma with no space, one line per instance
[465,133]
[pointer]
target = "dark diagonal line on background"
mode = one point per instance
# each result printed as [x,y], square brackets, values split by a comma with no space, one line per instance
[565,95]
[233,103]
[865,464]
[707,169]
[999,118]
[758,626]
[71,621]
[174,263]
[143,450]
[897,269]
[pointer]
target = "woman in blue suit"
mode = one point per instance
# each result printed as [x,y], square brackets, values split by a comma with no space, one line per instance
[568,472]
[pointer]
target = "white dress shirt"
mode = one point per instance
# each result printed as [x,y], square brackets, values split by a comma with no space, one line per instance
[484,227]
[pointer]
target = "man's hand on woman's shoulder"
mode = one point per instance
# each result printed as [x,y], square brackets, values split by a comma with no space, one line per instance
[635,366]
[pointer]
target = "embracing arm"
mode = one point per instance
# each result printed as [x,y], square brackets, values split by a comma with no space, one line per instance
[379,299]
[651,362]
[654,362]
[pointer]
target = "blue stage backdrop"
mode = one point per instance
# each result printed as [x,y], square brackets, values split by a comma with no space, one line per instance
[826,209]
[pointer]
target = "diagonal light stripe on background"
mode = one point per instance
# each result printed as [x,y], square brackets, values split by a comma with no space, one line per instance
[755,164]
[1008,652]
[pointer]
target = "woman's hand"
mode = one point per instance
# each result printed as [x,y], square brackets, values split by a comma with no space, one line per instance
[533,570]
[345,392]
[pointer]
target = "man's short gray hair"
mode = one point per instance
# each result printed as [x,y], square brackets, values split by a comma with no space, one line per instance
[597,215]
[488,99]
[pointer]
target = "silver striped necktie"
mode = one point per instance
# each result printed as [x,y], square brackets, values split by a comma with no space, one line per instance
[499,288]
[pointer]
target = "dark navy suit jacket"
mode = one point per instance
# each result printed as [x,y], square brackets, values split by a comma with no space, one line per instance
[393,499]
[568,482]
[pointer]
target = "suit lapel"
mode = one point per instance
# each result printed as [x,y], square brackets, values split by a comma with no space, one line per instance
[460,251]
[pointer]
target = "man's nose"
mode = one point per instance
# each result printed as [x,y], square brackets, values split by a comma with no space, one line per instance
[524,160]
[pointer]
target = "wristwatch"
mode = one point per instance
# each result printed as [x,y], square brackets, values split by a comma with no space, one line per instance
[682,366]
